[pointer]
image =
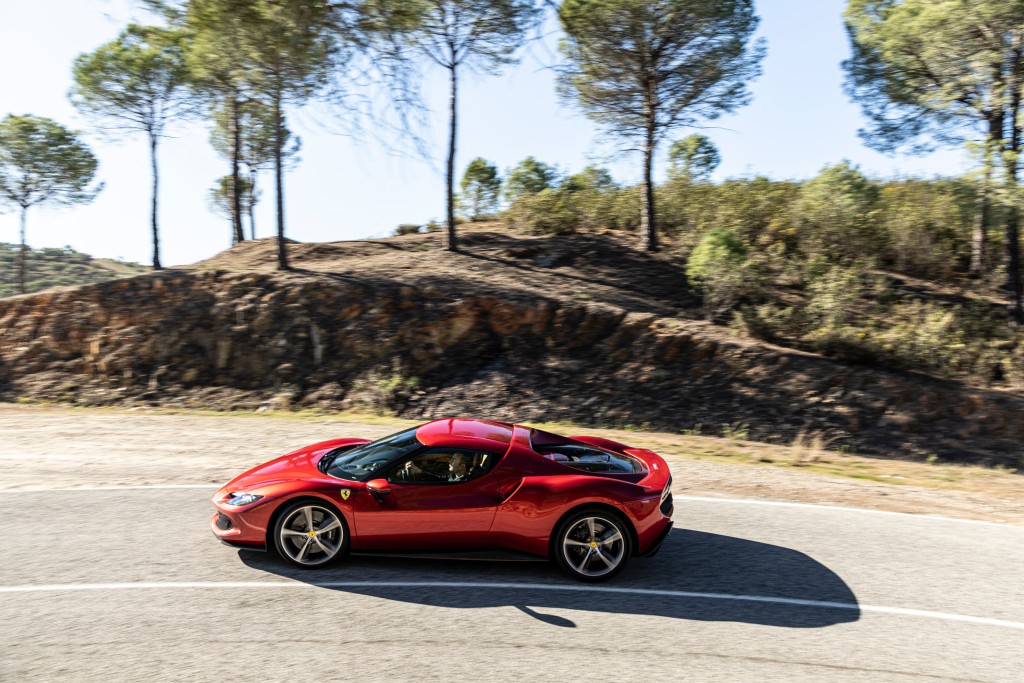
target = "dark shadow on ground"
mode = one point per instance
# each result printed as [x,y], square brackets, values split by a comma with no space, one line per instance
[690,561]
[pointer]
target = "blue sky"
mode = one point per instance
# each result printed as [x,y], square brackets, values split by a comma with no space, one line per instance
[345,188]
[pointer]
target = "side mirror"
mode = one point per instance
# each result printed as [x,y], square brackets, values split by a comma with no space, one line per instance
[378,488]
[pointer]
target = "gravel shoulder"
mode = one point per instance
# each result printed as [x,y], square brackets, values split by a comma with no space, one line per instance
[43,447]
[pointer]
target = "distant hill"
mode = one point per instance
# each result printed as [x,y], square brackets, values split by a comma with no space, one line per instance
[52,267]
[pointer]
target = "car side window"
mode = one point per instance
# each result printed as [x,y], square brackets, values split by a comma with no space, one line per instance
[443,466]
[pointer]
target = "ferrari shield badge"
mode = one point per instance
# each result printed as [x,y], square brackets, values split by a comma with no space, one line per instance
[345,493]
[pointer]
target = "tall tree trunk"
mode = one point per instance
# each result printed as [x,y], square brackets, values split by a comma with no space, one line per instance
[1013,273]
[282,248]
[1012,161]
[236,179]
[648,223]
[252,205]
[153,212]
[979,238]
[23,253]
[452,244]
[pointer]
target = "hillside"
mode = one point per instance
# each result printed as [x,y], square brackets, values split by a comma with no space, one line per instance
[50,267]
[579,328]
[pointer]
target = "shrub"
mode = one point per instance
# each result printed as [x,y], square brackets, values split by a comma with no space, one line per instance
[718,267]
[593,195]
[586,200]
[837,214]
[927,226]
[624,209]
[528,177]
[834,296]
[948,341]
[553,211]
[770,321]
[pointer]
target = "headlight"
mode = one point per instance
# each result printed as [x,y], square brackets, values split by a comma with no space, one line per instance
[242,498]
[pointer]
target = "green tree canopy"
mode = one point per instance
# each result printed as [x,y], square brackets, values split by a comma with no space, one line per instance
[291,50]
[256,151]
[590,179]
[277,53]
[137,82]
[643,68]
[244,134]
[924,70]
[215,47]
[482,35]
[694,158]
[717,246]
[716,266]
[929,72]
[222,198]
[836,213]
[481,188]
[529,176]
[42,163]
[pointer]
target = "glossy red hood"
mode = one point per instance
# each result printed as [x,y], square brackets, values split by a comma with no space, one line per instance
[295,466]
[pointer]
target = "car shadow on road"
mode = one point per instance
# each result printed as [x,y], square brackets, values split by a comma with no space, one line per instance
[696,575]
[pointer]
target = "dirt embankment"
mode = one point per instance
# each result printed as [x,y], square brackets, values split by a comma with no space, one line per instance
[517,329]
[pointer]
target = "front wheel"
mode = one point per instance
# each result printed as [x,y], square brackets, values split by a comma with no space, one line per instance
[593,545]
[309,534]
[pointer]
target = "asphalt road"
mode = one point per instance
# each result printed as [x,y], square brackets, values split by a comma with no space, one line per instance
[129,585]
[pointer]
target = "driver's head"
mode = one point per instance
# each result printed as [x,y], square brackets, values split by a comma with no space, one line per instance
[457,464]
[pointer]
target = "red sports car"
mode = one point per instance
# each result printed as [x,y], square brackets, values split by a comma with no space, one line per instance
[455,484]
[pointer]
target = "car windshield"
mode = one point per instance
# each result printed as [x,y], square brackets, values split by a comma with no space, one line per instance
[362,463]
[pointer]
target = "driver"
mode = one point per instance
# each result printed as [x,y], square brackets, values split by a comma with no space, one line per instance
[457,468]
[408,472]
[460,467]
[425,470]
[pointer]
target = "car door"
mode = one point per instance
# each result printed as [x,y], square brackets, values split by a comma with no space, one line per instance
[438,498]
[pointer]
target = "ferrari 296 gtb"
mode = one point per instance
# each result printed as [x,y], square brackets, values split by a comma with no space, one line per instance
[588,503]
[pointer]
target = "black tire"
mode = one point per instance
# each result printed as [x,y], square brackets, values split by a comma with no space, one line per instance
[329,544]
[592,551]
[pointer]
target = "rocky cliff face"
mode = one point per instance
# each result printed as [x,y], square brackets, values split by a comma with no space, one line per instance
[245,340]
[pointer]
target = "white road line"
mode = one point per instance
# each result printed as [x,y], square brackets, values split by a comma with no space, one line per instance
[678,496]
[796,602]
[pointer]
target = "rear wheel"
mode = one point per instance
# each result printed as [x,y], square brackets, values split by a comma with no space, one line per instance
[309,534]
[593,545]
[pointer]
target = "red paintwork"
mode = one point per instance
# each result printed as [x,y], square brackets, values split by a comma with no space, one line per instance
[517,505]
[461,433]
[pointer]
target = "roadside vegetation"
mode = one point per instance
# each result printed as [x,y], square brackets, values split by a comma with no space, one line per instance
[909,274]
[865,270]
[60,267]
[927,74]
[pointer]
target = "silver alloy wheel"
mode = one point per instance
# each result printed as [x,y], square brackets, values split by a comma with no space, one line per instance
[593,546]
[311,535]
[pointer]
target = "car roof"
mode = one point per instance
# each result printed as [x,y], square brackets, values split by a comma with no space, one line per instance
[461,432]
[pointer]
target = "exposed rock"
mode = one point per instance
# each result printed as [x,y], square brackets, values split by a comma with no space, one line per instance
[250,340]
